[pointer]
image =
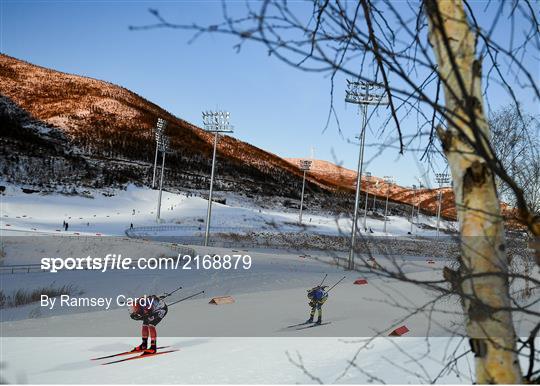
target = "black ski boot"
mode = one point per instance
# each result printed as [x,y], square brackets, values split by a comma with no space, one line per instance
[152,349]
[319,320]
[142,346]
[310,320]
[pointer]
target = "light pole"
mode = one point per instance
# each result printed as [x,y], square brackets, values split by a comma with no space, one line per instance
[164,146]
[388,180]
[363,94]
[160,129]
[375,196]
[368,178]
[412,211]
[305,165]
[442,179]
[214,122]
[420,186]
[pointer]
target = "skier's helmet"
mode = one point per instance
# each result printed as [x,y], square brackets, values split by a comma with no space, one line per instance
[135,308]
[138,305]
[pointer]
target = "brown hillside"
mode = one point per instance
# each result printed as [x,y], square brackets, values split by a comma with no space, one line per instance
[103,119]
[113,128]
[336,175]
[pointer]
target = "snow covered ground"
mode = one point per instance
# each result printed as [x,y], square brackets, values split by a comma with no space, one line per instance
[112,215]
[237,361]
[270,296]
[245,342]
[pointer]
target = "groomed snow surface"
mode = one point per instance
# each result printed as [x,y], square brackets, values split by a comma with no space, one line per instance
[112,215]
[234,361]
[244,342]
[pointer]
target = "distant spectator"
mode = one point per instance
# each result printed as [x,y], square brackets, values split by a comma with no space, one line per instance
[66,226]
[131,226]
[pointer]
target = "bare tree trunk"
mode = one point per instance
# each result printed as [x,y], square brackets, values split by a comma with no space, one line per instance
[483,281]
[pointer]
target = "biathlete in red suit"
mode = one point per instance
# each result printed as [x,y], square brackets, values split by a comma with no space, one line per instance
[151,313]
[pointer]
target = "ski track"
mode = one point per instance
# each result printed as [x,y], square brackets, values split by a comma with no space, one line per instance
[244,342]
[220,360]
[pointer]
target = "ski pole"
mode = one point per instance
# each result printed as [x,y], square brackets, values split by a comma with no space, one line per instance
[167,294]
[186,298]
[324,278]
[340,280]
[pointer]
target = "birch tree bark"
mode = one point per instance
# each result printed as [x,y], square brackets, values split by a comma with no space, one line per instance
[482,281]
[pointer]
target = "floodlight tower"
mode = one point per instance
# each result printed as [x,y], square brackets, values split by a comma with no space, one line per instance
[363,94]
[367,178]
[305,165]
[163,146]
[413,203]
[420,187]
[375,197]
[160,129]
[214,122]
[442,179]
[389,180]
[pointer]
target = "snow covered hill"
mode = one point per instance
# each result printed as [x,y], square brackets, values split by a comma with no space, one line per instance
[111,212]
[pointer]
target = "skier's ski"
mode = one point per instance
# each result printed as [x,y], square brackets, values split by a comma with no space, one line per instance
[143,355]
[121,354]
[313,325]
[299,324]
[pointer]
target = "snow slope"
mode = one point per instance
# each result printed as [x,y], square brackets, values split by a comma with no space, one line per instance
[260,349]
[113,215]
[236,361]
[245,342]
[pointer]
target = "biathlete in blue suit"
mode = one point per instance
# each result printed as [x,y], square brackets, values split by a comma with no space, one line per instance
[317,296]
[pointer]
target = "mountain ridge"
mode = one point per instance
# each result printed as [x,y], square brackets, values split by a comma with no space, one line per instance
[108,131]
[101,119]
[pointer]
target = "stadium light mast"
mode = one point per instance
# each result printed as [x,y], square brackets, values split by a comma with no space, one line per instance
[367,178]
[305,165]
[375,197]
[442,179]
[214,122]
[163,146]
[363,94]
[389,180]
[412,211]
[160,129]
[420,187]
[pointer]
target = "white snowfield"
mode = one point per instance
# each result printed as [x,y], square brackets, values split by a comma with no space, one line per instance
[241,361]
[247,341]
[112,215]
[238,361]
